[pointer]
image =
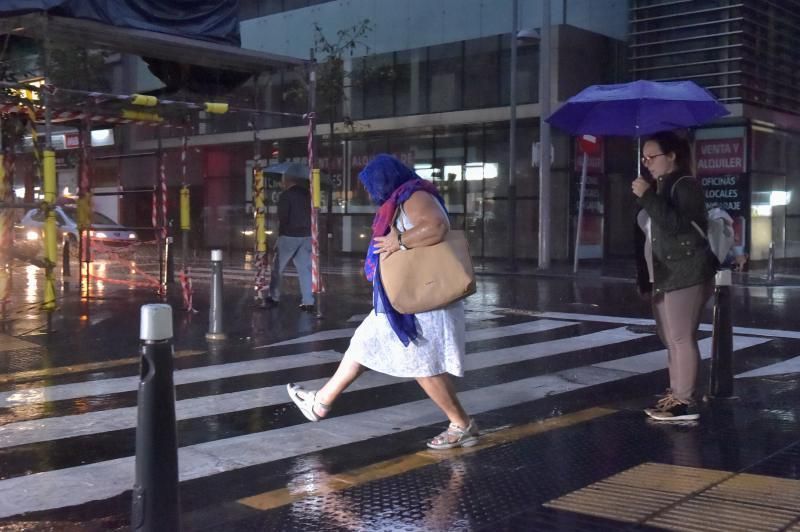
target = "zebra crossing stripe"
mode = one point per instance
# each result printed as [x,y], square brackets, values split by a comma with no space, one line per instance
[101,480]
[771,333]
[48,429]
[781,368]
[62,392]
[647,362]
[475,335]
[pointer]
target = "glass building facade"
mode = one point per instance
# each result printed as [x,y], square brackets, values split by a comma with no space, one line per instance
[745,53]
[441,106]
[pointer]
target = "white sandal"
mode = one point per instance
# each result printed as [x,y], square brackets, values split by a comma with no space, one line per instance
[456,436]
[305,401]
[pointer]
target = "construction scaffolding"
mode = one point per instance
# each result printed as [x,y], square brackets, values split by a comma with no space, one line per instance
[88,108]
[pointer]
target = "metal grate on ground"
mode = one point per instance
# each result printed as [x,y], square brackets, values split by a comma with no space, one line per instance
[689,499]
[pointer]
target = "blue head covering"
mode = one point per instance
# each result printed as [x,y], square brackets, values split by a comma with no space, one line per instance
[383,175]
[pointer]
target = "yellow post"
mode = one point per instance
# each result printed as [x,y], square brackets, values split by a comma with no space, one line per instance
[85,211]
[315,187]
[143,116]
[258,203]
[50,230]
[144,100]
[186,217]
[216,108]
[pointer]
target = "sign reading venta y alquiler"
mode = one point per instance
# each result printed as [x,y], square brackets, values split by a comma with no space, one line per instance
[721,167]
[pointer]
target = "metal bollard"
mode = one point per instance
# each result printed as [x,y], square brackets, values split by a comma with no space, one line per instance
[156,505]
[215,318]
[170,253]
[721,376]
[65,271]
[771,262]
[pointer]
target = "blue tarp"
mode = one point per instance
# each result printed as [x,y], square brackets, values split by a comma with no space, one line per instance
[211,20]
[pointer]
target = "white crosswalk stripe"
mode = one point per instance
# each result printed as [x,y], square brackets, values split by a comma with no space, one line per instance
[238,369]
[24,432]
[100,480]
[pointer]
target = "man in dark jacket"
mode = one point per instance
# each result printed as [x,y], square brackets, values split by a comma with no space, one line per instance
[294,240]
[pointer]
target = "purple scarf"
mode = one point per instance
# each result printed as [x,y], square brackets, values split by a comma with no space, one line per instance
[390,183]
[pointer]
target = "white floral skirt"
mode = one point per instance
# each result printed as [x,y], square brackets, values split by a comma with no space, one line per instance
[439,347]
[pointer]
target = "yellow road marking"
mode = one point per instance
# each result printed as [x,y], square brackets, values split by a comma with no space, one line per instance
[79,368]
[332,483]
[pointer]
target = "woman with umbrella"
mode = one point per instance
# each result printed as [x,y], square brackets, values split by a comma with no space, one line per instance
[676,266]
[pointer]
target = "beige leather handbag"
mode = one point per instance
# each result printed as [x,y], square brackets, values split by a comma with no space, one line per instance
[429,277]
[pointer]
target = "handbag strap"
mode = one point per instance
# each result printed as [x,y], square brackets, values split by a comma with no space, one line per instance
[395,217]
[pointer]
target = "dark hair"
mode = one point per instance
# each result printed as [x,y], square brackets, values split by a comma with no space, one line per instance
[669,142]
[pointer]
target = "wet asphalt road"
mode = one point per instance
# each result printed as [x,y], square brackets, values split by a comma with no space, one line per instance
[69,396]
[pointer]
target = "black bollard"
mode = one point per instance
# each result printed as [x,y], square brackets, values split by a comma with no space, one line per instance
[156,505]
[720,383]
[215,318]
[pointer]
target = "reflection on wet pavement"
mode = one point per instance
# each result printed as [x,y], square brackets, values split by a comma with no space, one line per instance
[556,373]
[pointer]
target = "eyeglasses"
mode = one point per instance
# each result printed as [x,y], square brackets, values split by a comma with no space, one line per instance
[647,158]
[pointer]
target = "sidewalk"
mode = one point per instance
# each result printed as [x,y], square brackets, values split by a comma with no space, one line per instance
[558,389]
[598,468]
[614,269]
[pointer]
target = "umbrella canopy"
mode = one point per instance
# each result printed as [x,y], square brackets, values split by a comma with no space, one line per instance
[637,108]
[296,170]
[289,169]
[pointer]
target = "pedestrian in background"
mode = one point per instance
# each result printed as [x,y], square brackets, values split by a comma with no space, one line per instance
[294,240]
[428,346]
[676,265]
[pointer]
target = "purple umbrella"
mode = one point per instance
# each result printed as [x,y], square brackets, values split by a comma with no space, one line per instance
[637,108]
[633,109]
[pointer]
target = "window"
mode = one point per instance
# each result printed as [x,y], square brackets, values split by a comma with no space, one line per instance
[378,85]
[410,73]
[445,67]
[481,72]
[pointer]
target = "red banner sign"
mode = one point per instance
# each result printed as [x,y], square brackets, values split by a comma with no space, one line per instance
[596,162]
[720,156]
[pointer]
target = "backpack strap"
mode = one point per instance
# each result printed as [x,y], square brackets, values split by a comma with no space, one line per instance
[672,196]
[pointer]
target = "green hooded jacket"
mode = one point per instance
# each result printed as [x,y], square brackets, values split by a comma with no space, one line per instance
[681,256]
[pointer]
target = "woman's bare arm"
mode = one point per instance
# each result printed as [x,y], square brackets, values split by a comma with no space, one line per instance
[430,225]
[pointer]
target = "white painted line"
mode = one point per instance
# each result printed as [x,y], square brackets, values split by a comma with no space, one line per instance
[487,333]
[184,376]
[62,392]
[316,337]
[770,333]
[48,429]
[780,368]
[656,360]
[101,480]
[521,353]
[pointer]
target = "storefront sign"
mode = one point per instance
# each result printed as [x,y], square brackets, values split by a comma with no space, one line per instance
[720,156]
[721,168]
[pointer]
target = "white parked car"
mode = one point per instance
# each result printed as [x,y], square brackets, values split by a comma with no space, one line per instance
[103,228]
